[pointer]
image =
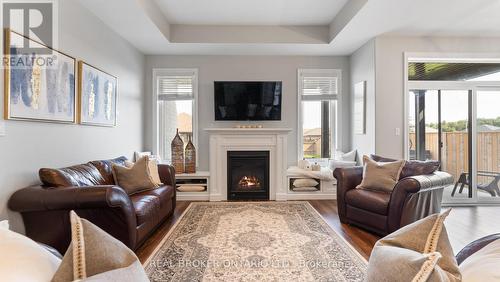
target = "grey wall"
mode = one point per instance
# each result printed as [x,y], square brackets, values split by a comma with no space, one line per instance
[390,79]
[283,68]
[362,63]
[28,146]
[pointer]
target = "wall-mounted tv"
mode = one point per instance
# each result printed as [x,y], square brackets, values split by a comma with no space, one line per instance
[247,100]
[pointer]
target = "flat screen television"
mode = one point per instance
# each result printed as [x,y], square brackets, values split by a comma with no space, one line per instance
[247,100]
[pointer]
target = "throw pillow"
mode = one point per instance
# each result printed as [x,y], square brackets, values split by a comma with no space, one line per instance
[105,167]
[138,155]
[152,170]
[135,179]
[22,259]
[419,252]
[482,265]
[380,176]
[412,167]
[349,156]
[305,182]
[94,255]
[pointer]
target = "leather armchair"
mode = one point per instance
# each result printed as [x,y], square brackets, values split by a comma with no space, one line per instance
[413,198]
[129,218]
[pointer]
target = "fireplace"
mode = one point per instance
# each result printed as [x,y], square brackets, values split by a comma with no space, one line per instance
[248,175]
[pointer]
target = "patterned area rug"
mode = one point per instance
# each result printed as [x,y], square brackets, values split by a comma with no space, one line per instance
[254,241]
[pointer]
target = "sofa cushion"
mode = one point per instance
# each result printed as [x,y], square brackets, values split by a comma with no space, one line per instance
[374,201]
[78,175]
[165,193]
[146,207]
[105,167]
[412,167]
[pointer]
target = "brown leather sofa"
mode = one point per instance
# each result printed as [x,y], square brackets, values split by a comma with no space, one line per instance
[413,198]
[90,190]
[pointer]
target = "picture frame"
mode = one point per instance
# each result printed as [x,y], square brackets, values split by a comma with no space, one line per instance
[42,91]
[359,117]
[97,96]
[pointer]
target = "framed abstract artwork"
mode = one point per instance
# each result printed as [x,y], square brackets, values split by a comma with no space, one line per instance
[360,108]
[38,87]
[97,96]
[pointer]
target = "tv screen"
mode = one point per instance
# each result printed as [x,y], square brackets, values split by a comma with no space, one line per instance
[247,100]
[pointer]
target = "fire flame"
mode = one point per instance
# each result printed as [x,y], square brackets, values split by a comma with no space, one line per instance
[249,182]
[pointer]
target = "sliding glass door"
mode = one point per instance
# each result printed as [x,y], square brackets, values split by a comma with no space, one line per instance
[488,144]
[453,115]
[439,123]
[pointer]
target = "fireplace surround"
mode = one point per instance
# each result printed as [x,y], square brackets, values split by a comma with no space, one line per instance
[248,175]
[223,140]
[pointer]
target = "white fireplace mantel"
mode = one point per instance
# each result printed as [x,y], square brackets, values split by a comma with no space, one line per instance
[264,130]
[269,139]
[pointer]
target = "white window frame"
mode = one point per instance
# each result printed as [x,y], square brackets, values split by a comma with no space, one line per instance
[336,111]
[159,72]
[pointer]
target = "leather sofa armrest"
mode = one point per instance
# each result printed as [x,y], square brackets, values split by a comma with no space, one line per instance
[475,246]
[107,206]
[37,198]
[167,174]
[420,184]
[347,179]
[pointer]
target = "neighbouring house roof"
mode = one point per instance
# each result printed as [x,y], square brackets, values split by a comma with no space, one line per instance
[312,132]
[184,121]
[487,128]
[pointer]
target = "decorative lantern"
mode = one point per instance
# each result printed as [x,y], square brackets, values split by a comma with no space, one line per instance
[178,153]
[190,157]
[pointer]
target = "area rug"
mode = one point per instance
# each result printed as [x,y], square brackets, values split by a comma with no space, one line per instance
[254,241]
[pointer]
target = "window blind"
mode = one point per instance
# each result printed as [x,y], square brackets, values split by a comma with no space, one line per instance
[176,87]
[319,85]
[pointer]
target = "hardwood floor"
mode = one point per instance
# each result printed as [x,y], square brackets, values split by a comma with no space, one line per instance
[150,245]
[464,225]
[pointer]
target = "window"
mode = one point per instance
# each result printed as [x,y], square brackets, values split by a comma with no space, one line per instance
[175,102]
[318,95]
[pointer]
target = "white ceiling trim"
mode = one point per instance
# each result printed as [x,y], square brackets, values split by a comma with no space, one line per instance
[151,31]
[155,14]
[250,34]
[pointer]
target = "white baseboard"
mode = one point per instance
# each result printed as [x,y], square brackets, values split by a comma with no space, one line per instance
[216,198]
